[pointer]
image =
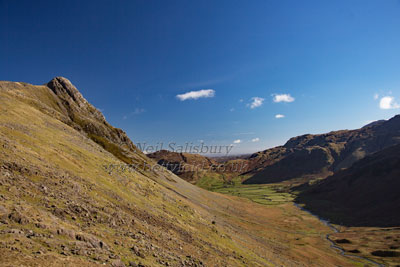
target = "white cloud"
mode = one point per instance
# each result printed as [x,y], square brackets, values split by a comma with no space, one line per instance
[279,116]
[255,139]
[283,98]
[241,100]
[256,102]
[196,94]
[388,102]
[376,96]
[238,141]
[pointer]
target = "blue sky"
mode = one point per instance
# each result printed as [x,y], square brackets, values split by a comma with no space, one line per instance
[338,60]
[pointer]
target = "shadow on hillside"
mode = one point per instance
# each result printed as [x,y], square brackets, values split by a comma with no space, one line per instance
[366,194]
[340,213]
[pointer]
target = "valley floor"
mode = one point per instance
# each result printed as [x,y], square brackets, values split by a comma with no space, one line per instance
[367,246]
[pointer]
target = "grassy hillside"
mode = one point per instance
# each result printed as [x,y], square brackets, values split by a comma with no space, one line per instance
[59,205]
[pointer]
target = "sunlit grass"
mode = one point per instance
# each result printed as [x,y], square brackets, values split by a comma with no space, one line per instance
[267,194]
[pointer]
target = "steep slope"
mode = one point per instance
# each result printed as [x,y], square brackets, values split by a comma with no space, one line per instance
[62,204]
[81,115]
[366,194]
[320,155]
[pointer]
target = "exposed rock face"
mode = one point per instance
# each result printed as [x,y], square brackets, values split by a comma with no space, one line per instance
[366,194]
[321,155]
[85,117]
[64,89]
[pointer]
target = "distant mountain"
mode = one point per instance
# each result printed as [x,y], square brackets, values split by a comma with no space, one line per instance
[366,194]
[194,167]
[374,123]
[187,166]
[321,155]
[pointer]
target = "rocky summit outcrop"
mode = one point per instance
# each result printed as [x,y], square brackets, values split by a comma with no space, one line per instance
[72,98]
[309,156]
[81,115]
[366,194]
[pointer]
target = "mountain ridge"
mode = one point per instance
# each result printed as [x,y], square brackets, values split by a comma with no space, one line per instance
[322,154]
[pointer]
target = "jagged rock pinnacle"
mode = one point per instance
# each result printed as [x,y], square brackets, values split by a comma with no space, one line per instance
[62,86]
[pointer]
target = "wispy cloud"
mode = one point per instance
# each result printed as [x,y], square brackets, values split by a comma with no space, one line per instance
[204,93]
[232,110]
[255,139]
[237,141]
[244,133]
[279,116]
[256,102]
[376,96]
[282,98]
[388,102]
[137,111]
